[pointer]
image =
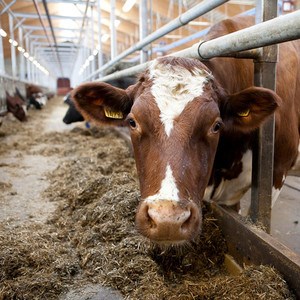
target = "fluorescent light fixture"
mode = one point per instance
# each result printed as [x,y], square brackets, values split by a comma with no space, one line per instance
[128,5]
[105,37]
[3,33]
[13,42]
[196,23]
[173,36]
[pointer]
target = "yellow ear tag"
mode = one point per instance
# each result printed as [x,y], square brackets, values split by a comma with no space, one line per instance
[113,114]
[244,113]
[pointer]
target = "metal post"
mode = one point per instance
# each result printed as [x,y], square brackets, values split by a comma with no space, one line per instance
[2,64]
[263,153]
[21,56]
[100,57]
[93,40]
[27,61]
[12,47]
[143,29]
[113,32]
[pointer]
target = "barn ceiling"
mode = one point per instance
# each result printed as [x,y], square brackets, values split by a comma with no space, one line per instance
[54,32]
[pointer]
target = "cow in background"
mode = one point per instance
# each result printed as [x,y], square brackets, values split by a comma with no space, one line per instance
[73,115]
[16,106]
[31,92]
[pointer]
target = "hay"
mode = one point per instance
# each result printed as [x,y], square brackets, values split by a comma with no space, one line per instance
[91,238]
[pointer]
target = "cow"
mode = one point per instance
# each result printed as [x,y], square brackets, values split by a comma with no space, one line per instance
[73,115]
[192,127]
[31,94]
[16,106]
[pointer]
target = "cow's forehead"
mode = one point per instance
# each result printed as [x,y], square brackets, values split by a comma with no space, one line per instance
[174,86]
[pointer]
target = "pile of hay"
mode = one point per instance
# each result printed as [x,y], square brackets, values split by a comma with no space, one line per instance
[92,237]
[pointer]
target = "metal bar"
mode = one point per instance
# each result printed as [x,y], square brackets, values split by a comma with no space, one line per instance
[21,56]
[100,57]
[113,32]
[277,30]
[12,47]
[251,245]
[199,10]
[34,16]
[31,27]
[263,152]
[93,63]
[38,36]
[2,64]
[7,7]
[143,29]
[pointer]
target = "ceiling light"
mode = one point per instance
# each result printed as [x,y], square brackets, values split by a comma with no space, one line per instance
[105,37]
[95,52]
[173,36]
[128,5]
[15,43]
[31,58]
[196,23]
[3,33]
[26,54]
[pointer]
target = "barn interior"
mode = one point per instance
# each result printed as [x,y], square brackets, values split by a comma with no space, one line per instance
[56,45]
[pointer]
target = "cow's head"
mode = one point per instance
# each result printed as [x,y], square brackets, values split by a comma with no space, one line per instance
[176,113]
[16,106]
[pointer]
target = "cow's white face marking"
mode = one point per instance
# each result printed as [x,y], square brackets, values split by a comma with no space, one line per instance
[173,88]
[168,189]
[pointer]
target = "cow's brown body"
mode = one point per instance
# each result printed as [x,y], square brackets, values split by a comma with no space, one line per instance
[192,127]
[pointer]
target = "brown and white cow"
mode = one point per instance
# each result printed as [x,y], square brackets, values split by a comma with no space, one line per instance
[192,128]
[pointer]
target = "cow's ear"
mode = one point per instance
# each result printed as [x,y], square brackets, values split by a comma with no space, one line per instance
[102,102]
[246,110]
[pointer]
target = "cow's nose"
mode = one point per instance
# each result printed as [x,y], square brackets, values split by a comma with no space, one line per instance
[168,222]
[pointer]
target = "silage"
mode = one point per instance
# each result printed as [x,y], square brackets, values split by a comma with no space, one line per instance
[92,238]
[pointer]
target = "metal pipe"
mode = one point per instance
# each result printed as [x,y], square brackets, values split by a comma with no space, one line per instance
[143,29]
[93,63]
[7,7]
[21,56]
[12,47]
[199,10]
[100,57]
[2,64]
[263,152]
[113,32]
[277,30]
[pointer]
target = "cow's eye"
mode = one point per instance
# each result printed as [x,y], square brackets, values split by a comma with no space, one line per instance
[217,126]
[132,123]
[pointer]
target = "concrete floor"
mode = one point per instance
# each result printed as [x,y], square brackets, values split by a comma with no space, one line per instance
[285,222]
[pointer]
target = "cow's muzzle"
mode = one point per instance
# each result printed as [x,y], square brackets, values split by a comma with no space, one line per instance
[168,222]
